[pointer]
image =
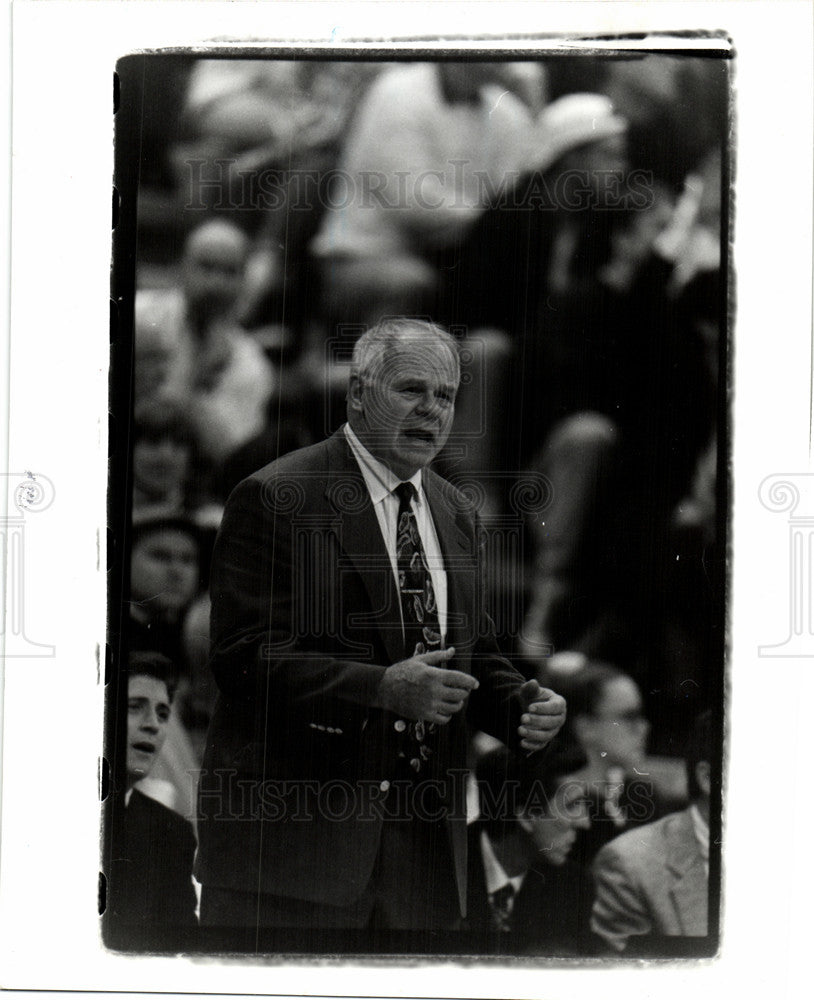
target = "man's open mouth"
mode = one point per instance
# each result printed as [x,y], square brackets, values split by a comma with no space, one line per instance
[144,747]
[420,434]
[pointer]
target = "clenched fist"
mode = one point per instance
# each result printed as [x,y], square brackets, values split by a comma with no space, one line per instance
[543,717]
[420,689]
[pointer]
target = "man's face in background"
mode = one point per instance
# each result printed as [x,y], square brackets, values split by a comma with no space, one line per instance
[164,571]
[160,464]
[148,713]
[213,267]
[553,833]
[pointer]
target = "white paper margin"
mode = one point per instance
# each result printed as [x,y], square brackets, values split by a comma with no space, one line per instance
[64,54]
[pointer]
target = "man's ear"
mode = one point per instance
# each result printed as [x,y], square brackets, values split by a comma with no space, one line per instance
[702,776]
[355,389]
[524,823]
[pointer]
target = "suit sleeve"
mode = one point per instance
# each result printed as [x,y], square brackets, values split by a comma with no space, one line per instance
[258,647]
[619,911]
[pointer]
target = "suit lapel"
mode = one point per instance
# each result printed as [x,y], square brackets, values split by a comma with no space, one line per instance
[456,549]
[689,890]
[359,534]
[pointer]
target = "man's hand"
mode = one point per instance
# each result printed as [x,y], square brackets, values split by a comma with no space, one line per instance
[419,689]
[543,718]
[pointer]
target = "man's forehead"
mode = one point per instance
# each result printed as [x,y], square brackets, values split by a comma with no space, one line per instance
[420,352]
[216,242]
[146,687]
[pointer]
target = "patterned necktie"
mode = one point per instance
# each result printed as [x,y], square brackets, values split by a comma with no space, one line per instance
[501,903]
[422,633]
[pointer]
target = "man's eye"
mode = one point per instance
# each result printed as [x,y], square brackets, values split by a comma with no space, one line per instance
[163,714]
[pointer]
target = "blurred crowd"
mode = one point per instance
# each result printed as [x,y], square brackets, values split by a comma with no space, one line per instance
[562,217]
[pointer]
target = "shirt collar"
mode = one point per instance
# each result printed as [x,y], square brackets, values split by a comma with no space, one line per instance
[701,830]
[378,477]
[494,872]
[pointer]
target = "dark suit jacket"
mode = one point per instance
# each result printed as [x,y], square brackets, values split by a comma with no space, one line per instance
[550,915]
[150,877]
[305,620]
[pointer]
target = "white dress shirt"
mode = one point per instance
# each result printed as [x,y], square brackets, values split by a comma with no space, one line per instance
[701,831]
[380,483]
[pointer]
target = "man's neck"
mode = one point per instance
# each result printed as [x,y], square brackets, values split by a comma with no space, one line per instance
[702,805]
[383,469]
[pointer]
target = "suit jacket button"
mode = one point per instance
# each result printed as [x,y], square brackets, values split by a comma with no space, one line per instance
[399,725]
[384,786]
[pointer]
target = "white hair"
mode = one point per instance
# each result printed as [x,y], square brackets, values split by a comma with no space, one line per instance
[375,345]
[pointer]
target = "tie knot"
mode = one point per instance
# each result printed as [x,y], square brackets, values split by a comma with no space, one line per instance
[406,492]
[502,898]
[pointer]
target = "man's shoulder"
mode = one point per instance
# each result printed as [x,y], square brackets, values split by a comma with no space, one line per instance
[419,80]
[463,506]
[312,458]
[293,478]
[166,821]
[635,848]
[160,315]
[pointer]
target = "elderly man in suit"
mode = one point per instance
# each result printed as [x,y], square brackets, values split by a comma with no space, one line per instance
[653,882]
[352,649]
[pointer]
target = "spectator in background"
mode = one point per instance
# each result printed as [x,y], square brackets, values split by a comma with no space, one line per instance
[426,145]
[606,722]
[150,890]
[165,617]
[162,454]
[164,579]
[194,347]
[653,882]
[167,474]
[264,136]
[526,895]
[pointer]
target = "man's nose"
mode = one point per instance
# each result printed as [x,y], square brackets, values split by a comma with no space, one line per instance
[149,721]
[429,404]
[582,821]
